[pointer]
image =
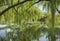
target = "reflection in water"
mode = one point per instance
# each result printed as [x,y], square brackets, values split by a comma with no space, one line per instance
[30,34]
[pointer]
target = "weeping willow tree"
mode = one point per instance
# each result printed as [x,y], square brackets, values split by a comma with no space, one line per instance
[6,5]
[20,11]
[20,14]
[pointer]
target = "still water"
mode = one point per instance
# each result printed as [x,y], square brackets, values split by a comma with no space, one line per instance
[30,34]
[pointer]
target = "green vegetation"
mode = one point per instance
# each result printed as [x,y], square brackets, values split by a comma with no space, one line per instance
[27,21]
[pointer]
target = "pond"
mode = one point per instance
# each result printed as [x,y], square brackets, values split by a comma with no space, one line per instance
[30,34]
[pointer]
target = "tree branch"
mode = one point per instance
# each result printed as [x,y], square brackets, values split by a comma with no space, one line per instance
[1,13]
[11,7]
[36,3]
[58,10]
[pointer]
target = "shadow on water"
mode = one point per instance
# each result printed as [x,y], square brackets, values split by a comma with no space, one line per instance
[30,34]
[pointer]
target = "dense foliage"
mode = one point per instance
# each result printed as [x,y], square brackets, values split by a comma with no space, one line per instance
[27,20]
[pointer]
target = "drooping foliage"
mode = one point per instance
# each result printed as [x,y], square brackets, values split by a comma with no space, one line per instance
[22,15]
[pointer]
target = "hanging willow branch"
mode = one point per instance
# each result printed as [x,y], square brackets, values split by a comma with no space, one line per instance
[11,7]
[1,13]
